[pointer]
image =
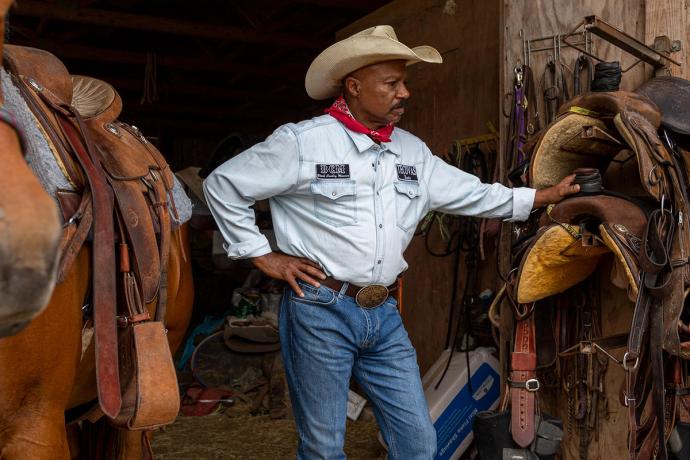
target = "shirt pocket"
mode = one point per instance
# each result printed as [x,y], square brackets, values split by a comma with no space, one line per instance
[408,204]
[335,201]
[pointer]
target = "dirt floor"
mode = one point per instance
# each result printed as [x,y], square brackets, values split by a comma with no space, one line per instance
[232,432]
[219,436]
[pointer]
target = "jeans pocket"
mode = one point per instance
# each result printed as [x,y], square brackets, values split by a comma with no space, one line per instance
[322,296]
[408,204]
[335,201]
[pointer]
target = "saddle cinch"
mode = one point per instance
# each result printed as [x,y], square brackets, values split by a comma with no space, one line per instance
[630,222]
[123,196]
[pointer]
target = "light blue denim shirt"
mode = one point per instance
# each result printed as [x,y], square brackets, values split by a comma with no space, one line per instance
[343,201]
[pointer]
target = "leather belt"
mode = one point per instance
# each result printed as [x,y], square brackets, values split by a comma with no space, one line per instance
[370,296]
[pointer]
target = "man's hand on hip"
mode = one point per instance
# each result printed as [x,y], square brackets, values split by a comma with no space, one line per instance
[556,193]
[288,268]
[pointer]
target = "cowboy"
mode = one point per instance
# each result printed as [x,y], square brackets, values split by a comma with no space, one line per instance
[347,190]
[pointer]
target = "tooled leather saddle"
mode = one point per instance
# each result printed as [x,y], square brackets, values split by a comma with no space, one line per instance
[121,208]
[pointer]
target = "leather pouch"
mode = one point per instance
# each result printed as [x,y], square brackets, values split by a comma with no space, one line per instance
[149,384]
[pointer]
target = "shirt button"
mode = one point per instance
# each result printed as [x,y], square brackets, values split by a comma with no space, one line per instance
[380,225]
[378,262]
[334,193]
[410,193]
[378,193]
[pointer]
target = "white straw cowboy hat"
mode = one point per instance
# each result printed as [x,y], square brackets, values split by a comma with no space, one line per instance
[370,46]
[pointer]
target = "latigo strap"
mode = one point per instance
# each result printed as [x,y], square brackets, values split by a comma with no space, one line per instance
[523,382]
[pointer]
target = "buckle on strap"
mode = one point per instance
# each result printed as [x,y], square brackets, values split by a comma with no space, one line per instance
[372,296]
[627,358]
[531,385]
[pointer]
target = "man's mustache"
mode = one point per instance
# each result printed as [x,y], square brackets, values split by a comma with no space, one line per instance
[400,105]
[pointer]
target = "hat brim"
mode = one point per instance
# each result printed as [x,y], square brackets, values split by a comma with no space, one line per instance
[325,74]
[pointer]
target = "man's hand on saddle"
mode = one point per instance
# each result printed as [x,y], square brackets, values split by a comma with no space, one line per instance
[289,269]
[556,193]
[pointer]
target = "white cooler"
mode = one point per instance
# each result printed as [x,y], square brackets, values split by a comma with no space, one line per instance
[451,406]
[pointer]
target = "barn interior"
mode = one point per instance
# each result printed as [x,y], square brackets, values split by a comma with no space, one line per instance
[203,81]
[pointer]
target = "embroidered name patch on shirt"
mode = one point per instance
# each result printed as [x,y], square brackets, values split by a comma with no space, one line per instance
[407,172]
[336,171]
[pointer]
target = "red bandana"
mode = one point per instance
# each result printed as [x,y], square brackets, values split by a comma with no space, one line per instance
[341,112]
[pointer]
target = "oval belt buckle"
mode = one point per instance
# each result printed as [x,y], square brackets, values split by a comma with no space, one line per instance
[371,296]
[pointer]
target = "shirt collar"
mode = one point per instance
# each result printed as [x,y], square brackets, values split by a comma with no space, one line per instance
[364,142]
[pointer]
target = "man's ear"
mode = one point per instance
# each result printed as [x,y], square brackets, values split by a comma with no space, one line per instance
[352,86]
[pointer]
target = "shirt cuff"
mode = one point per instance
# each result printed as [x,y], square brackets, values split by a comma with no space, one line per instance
[523,202]
[247,249]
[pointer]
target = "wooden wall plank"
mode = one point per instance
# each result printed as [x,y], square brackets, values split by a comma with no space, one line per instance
[540,18]
[670,18]
[449,101]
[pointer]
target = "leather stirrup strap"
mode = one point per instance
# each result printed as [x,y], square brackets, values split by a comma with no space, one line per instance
[523,382]
[103,273]
[82,220]
[161,206]
[657,358]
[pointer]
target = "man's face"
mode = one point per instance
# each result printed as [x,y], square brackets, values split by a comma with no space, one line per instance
[379,91]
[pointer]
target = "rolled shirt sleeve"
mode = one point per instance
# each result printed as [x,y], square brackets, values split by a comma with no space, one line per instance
[454,191]
[232,188]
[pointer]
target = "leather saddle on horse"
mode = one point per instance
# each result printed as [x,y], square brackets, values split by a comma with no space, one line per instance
[639,229]
[122,209]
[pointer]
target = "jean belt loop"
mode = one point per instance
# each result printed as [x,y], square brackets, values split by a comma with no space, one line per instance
[343,289]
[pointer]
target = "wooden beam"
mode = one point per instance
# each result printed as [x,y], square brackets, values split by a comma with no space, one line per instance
[116,19]
[286,95]
[201,128]
[354,5]
[193,64]
[193,109]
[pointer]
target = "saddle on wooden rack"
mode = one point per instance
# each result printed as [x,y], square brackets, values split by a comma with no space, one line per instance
[121,207]
[639,228]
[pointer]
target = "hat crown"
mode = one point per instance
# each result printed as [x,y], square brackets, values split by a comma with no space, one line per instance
[378,31]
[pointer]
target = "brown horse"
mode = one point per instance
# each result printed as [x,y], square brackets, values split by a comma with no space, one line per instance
[29,232]
[45,369]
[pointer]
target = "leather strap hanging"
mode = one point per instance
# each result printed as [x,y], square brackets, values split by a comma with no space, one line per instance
[104,282]
[523,382]
[582,63]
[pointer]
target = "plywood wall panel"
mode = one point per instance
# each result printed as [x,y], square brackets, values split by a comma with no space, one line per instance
[449,101]
[542,18]
[670,18]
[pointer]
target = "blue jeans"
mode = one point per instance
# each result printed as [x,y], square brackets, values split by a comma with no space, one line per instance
[326,338]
